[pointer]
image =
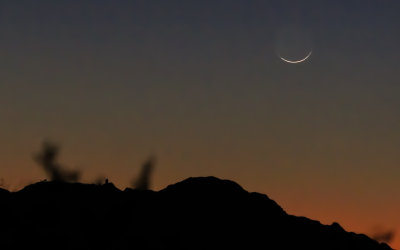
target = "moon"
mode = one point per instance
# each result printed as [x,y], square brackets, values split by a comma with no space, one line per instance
[298,61]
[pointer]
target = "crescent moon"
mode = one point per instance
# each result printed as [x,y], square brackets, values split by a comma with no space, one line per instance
[299,61]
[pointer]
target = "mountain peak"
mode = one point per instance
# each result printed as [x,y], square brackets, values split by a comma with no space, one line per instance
[207,185]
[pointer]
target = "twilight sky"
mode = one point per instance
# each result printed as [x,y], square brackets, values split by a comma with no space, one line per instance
[199,84]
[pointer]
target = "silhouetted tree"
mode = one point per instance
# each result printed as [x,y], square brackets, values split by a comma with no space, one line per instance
[143,181]
[47,160]
[385,236]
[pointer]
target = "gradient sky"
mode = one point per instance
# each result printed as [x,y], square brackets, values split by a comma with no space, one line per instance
[199,85]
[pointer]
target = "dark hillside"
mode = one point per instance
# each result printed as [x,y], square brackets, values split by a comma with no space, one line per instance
[197,213]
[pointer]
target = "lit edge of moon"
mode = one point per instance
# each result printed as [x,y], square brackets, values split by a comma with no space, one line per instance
[298,61]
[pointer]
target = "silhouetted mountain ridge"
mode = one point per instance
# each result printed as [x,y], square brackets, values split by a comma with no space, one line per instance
[197,213]
[62,187]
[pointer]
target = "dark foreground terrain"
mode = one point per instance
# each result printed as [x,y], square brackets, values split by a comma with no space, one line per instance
[197,213]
